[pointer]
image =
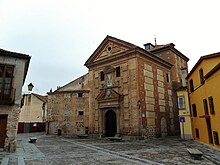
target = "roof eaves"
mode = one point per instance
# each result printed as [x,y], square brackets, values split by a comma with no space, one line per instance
[211,72]
[154,57]
[200,60]
[57,90]
[40,97]
[20,56]
[14,54]
[172,47]
[108,38]
[69,91]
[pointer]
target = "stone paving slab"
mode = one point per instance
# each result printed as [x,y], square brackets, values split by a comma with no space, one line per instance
[54,150]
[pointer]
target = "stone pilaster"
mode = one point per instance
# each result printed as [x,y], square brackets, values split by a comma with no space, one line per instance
[100,124]
[118,123]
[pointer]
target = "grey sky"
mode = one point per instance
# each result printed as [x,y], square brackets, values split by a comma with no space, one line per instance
[60,35]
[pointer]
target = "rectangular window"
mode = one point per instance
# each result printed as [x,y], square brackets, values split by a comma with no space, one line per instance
[216,139]
[194,112]
[205,105]
[80,113]
[168,77]
[80,94]
[6,76]
[191,85]
[211,105]
[102,76]
[181,102]
[197,133]
[201,76]
[118,72]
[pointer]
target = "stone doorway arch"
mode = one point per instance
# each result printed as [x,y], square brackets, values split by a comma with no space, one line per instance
[110,123]
[163,126]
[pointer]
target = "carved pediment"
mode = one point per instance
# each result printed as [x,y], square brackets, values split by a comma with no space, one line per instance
[108,98]
[108,93]
[109,47]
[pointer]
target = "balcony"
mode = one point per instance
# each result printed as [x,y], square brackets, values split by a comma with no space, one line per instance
[7,99]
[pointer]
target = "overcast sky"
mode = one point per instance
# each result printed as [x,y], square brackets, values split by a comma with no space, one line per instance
[60,35]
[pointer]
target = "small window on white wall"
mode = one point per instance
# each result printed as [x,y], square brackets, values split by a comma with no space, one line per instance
[181,102]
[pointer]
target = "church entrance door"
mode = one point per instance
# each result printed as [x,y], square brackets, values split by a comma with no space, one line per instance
[110,123]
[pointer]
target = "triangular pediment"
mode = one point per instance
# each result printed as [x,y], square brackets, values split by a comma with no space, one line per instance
[109,47]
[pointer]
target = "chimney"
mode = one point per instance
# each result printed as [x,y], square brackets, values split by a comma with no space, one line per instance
[183,76]
[148,46]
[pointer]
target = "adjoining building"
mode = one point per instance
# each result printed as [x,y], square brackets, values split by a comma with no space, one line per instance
[33,113]
[131,91]
[13,71]
[204,90]
[184,108]
[68,108]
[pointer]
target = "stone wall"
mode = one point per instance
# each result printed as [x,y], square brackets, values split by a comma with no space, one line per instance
[69,112]
[127,86]
[12,124]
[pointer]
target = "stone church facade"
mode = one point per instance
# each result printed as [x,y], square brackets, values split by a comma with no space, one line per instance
[132,90]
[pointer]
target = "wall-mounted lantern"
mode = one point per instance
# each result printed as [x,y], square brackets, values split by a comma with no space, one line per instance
[30,87]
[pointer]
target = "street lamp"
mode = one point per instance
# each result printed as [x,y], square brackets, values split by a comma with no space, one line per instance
[30,87]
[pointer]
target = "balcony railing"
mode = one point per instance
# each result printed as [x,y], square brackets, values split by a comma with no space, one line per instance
[7,99]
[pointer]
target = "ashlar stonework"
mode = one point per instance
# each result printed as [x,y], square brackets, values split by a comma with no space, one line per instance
[130,92]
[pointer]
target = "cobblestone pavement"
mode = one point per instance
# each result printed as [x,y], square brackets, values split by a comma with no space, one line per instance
[50,150]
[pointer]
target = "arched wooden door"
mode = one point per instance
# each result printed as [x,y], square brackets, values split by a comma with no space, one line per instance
[110,123]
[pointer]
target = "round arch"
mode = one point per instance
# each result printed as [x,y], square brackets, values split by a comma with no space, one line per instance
[110,123]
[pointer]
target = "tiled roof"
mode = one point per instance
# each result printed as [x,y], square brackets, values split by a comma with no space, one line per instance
[156,47]
[201,59]
[125,42]
[132,47]
[17,55]
[171,46]
[13,54]
[211,72]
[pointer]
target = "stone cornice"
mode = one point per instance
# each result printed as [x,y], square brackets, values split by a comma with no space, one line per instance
[71,91]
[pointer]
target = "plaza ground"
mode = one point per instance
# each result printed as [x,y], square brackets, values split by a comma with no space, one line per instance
[55,150]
